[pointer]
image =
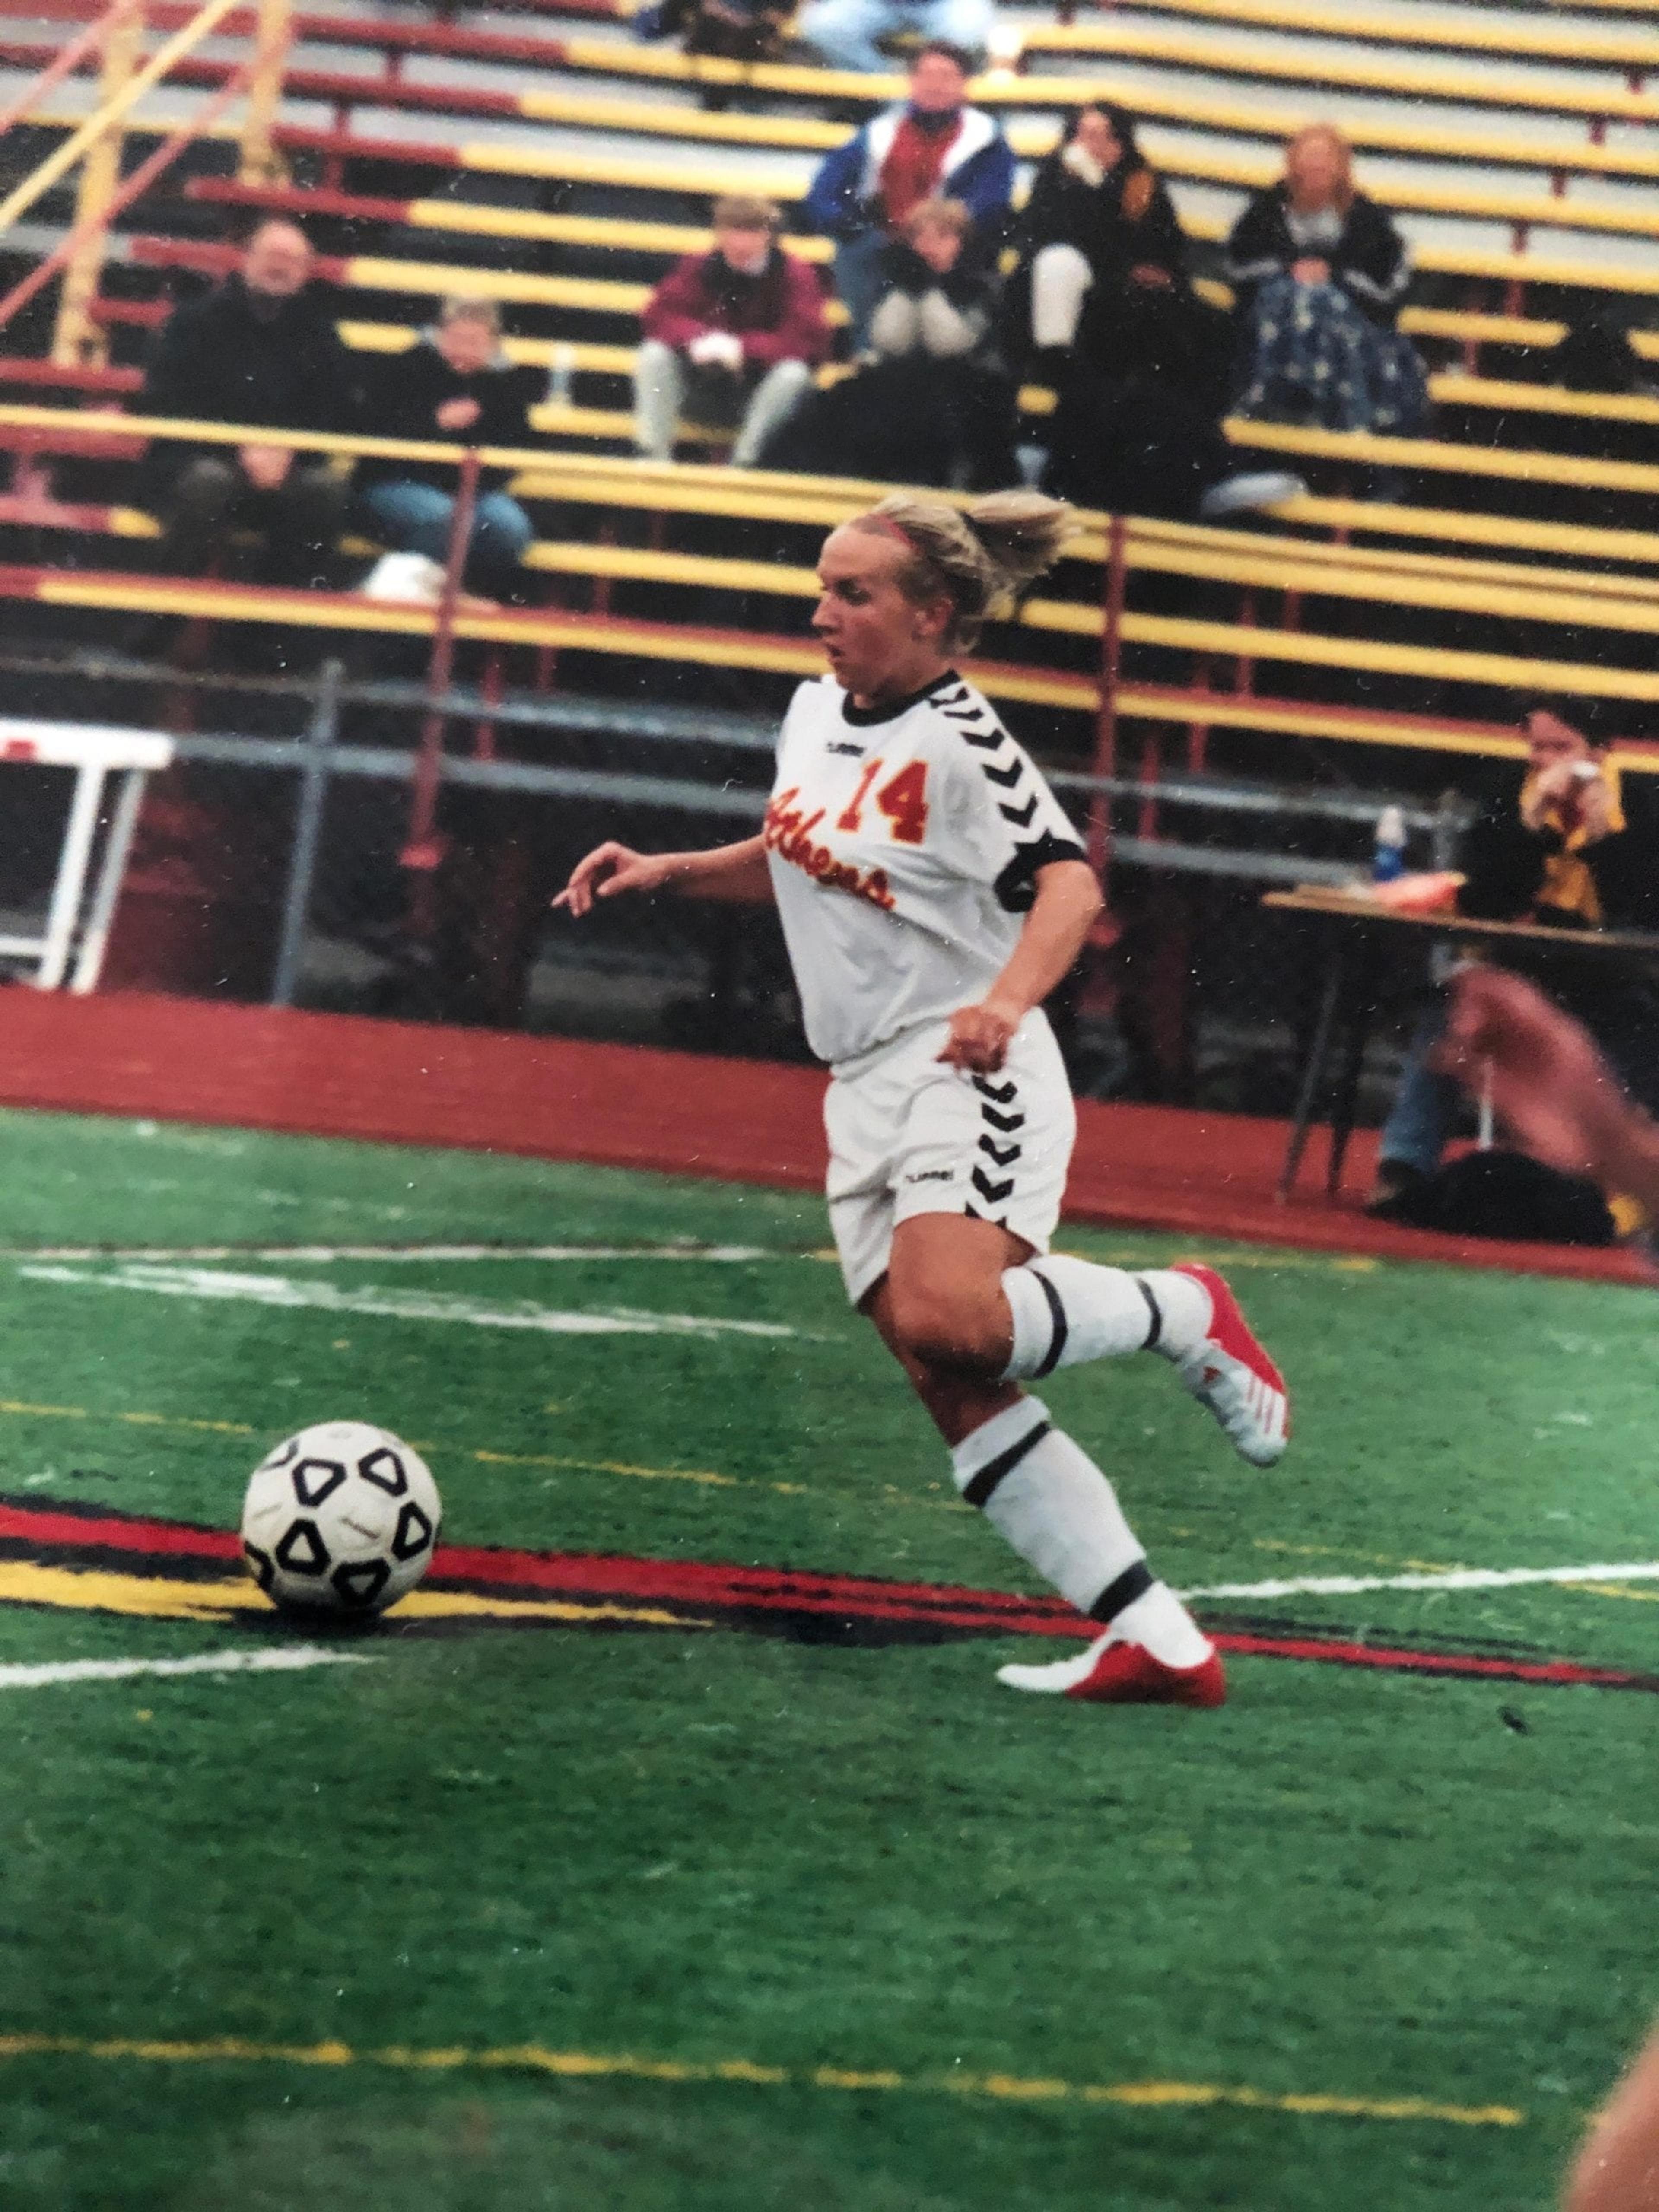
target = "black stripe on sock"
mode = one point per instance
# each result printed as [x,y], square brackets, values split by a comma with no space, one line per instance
[1135,1582]
[1152,1307]
[1062,1326]
[980,1490]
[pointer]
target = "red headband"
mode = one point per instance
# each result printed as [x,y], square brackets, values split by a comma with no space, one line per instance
[889,528]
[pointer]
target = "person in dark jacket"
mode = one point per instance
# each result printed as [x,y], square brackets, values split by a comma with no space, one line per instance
[1101,254]
[455,383]
[1559,852]
[260,348]
[931,403]
[931,146]
[1319,273]
[729,338]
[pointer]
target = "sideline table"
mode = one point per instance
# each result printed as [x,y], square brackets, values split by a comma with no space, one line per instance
[1355,947]
[94,751]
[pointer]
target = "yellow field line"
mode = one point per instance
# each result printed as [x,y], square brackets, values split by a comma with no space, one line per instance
[153,1597]
[534,2057]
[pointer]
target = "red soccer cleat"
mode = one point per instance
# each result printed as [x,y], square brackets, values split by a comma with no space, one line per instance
[1232,1374]
[1114,1671]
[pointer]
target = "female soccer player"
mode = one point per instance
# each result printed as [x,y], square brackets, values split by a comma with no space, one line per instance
[932,893]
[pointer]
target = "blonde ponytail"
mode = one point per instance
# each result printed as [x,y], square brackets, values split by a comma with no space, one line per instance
[979,556]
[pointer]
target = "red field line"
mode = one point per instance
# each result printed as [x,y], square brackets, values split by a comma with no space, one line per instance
[84,1535]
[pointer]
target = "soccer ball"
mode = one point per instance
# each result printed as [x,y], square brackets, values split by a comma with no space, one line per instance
[339,1519]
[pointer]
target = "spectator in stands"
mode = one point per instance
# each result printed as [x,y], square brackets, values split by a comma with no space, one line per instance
[1101,256]
[259,349]
[732,337]
[933,144]
[1559,852]
[1319,272]
[455,383]
[846,32]
[932,402]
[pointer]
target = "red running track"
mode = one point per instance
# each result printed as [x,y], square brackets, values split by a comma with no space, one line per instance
[1210,1176]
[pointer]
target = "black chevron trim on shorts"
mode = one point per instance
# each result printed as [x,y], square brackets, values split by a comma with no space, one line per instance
[1005,778]
[1003,1155]
[978,1491]
[997,1221]
[1007,1123]
[1001,1093]
[992,1193]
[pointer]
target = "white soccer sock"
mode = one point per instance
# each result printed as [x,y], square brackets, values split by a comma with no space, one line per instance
[1046,1495]
[1066,1311]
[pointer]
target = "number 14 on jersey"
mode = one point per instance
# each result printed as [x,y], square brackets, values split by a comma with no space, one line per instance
[902,798]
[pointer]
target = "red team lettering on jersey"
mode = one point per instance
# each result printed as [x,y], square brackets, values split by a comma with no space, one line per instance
[787,832]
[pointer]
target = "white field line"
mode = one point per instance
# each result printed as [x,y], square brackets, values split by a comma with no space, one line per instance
[1454,1578]
[397,1305]
[320,1255]
[281,1659]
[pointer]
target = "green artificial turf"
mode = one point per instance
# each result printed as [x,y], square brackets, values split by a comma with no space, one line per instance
[688,1849]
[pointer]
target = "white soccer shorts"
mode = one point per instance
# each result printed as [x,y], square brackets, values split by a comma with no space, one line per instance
[909,1136]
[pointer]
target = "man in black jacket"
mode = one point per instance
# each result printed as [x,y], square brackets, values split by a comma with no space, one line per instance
[1561,854]
[455,383]
[260,348]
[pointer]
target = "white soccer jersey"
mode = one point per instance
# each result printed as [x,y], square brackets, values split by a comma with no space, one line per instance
[904,841]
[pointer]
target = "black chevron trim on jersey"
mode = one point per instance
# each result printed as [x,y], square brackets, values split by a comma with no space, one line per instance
[1005,778]
[1006,1122]
[1003,1155]
[963,713]
[1001,1093]
[991,742]
[1019,815]
[992,1193]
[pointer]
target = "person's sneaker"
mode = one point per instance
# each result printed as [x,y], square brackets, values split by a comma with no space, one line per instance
[1396,1185]
[1231,1373]
[1114,1671]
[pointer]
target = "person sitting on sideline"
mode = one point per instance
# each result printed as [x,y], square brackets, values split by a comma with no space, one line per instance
[1558,853]
[259,349]
[848,32]
[453,383]
[932,145]
[932,402]
[1319,272]
[732,337]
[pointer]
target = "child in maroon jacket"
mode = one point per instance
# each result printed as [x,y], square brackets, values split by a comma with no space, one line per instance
[731,337]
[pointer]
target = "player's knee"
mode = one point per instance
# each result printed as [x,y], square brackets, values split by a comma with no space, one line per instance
[946,1325]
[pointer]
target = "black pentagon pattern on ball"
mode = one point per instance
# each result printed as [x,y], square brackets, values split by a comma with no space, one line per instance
[282,1454]
[385,1470]
[260,1564]
[360,1585]
[315,1480]
[301,1550]
[413,1533]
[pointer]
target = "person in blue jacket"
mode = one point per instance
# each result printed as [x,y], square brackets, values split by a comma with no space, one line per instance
[931,146]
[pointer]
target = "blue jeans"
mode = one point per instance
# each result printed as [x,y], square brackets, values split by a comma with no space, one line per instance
[844,30]
[1425,1106]
[416,517]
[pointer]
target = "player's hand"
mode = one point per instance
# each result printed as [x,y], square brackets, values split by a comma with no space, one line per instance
[608,871]
[980,1038]
[1548,1083]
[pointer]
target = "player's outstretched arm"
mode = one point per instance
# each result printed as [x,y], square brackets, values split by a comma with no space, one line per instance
[1067,900]
[738,871]
[1549,1084]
